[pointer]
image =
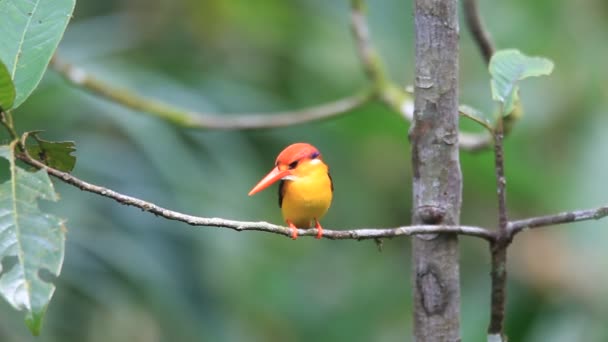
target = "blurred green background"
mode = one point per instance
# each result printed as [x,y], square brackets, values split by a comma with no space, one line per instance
[129,276]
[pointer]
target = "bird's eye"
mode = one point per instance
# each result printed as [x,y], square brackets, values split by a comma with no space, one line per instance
[314,155]
[293,165]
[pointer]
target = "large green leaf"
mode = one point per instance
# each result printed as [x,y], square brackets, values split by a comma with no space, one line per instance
[34,239]
[30,31]
[507,67]
[56,154]
[7,89]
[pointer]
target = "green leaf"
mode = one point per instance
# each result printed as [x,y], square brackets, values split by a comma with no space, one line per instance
[7,89]
[30,32]
[34,239]
[56,154]
[507,67]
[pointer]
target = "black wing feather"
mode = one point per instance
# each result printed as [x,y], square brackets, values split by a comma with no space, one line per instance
[281,193]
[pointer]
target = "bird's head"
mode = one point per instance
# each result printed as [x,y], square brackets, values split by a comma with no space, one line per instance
[294,162]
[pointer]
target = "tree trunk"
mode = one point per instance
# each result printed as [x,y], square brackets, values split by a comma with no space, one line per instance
[436,168]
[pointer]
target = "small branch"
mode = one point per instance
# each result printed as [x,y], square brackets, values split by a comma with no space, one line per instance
[475,116]
[388,92]
[369,56]
[518,226]
[477,29]
[501,181]
[190,119]
[499,247]
[481,36]
[499,288]
[400,100]
[356,234]
[473,142]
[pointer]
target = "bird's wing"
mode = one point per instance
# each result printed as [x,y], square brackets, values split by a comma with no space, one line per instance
[281,193]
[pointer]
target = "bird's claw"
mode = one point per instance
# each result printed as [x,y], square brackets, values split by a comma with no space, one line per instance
[319,229]
[294,230]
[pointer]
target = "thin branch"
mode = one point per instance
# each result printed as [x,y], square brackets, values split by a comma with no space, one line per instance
[400,100]
[501,181]
[369,56]
[190,119]
[396,98]
[518,226]
[356,234]
[480,35]
[473,142]
[498,295]
[499,247]
[475,116]
[388,91]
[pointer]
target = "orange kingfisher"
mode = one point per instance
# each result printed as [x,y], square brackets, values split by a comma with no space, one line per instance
[306,188]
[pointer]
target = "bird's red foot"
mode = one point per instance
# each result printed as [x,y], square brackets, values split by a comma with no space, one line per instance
[319,229]
[294,230]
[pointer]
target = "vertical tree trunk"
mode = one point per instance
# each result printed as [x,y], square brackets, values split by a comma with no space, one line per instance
[437,177]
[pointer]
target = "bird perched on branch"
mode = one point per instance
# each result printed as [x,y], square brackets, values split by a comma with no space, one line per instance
[306,188]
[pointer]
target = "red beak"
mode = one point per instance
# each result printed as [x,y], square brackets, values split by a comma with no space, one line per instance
[273,176]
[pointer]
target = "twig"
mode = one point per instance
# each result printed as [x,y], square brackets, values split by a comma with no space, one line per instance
[475,116]
[499,247]
[369,56]
[476,142]
[499,257]
[498,274]
[388,91]
[518,226]
[501,181]
[190,119]
[356,234]
[478,31]
[400,100]
[473,142]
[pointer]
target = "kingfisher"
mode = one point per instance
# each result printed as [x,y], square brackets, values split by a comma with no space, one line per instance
[306,188]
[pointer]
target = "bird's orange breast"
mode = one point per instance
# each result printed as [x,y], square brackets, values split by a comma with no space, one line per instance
[307,195]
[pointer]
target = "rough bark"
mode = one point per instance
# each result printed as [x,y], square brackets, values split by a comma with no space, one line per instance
[436,168]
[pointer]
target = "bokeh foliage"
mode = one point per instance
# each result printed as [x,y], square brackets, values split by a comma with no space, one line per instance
[129,276]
